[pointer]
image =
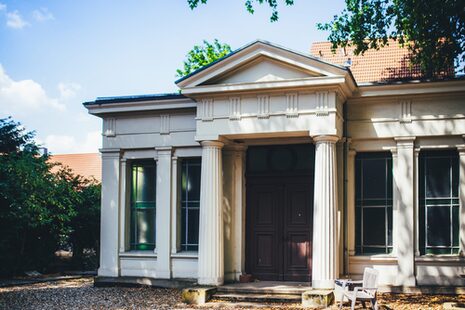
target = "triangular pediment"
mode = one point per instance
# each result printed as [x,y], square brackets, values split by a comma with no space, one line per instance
[261,62]
[262,69]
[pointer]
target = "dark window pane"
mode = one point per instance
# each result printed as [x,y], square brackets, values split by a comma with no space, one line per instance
[455,226]
[455,176]
[193,230]
[374,178]
[389,228]
[145,221]
[374,226]
[183,225]
[193,185]
[438,227]
[437,176]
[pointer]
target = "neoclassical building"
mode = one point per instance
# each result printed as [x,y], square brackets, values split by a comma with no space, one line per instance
[288,167]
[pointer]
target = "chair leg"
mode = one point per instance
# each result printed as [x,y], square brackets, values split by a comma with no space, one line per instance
[363,304]
[341,302]
[353,303]
[374,303]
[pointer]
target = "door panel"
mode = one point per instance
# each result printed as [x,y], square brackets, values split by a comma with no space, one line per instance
[297,231]
[279,227]
[264,237]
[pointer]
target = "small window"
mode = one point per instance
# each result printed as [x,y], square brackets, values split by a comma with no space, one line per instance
[143,211]
[373,211]
[439,202]
[190,204]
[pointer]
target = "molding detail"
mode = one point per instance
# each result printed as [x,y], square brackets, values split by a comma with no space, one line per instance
[109,127]
[405,111]
[235,108]
[292,105]
[164,124]
[206,110]
[263,102]
[322,103]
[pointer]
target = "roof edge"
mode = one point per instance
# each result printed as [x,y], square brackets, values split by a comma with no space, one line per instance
[134,98]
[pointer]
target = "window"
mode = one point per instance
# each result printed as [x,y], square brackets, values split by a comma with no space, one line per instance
[439,202]
[142,227]
[190,202]
[373,205]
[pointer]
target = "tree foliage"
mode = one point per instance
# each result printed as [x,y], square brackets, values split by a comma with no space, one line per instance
[38,208]
[249,5]
[202,55]
[434,30]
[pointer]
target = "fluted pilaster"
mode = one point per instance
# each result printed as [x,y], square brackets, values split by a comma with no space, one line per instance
[211,243]
[324,269]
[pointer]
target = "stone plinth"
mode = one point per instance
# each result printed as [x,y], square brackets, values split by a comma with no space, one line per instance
[317,299]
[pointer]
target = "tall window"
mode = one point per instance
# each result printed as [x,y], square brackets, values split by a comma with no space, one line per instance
[142,227]
[190,203]
[373,206]
[439,202]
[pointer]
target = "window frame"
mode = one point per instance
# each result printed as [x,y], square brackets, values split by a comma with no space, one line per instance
[425,202]
[386,203]
[184,205]
[132,227]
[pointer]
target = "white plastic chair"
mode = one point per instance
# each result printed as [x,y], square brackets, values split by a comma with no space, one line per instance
[367,292]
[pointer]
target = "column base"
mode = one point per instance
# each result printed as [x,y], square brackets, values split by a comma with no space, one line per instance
[211,281]
[108,272]
[323,284]
[163,274]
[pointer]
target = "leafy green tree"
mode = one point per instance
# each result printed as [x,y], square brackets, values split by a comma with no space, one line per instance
[273,4]
[202,55]
[37,206]
[434,30]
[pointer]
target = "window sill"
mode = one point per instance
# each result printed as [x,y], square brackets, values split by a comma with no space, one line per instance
[150,254]
[376,258]
[440,258]
[187,254]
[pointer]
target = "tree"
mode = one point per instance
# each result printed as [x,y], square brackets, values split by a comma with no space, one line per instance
[273,4]
[37,206]
[202,55]
[434,31]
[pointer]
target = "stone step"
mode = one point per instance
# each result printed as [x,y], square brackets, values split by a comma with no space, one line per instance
[260,298]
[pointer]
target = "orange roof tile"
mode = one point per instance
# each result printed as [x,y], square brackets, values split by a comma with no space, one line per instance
[87,165]
[386,64]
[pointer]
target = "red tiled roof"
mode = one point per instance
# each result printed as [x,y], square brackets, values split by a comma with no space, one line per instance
[389,63]
[87,165]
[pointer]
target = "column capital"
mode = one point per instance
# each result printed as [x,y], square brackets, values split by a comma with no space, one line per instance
[325,138]
[352,153]
[110,153]
[164,150]
[405,142]
[212,143]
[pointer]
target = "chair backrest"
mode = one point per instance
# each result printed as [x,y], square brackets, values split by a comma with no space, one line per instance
[370,278]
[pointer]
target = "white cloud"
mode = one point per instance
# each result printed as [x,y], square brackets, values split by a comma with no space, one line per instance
[2,7]
[24,96]
[42,15]
[68,90]
[15,21]
[63,144]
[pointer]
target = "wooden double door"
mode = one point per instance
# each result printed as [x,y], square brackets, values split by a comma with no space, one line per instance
[279,227]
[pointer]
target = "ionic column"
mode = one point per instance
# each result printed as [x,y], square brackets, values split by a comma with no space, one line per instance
[324,269]
[109,219]
[461,149]
[211,243]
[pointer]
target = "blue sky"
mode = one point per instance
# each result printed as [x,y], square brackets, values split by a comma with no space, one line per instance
[54,55]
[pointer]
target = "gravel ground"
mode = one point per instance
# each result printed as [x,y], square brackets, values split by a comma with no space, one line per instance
[80,294]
